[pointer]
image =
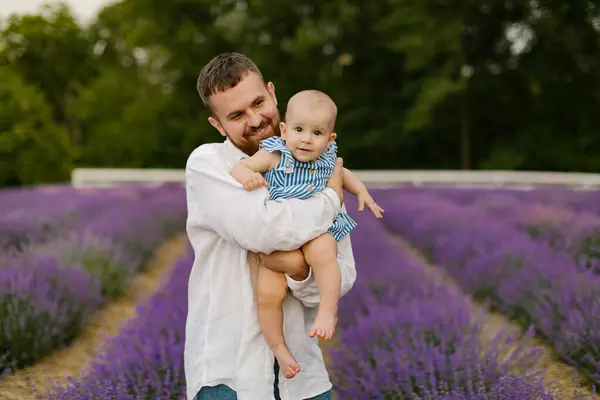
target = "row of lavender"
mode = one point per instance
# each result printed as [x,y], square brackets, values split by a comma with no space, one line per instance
[145,360]
[587,201]
[405,334]
[67,253]
[534,281]
[567,220]
[37,214]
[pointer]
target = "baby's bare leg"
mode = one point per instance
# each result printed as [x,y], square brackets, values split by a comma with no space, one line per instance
[271,291]
[321,255]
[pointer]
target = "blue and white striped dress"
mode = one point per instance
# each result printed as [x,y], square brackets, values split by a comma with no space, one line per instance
[297,179]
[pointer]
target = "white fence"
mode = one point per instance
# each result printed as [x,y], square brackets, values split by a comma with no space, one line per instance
[82,177]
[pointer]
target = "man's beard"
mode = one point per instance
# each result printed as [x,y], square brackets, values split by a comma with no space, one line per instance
[250,145]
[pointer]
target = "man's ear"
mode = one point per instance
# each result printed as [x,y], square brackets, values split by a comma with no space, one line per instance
[282,130]
[331,138]
[271,90]
[217,125]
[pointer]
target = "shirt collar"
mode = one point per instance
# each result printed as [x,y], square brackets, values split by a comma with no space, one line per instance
[231,154]
[233,149]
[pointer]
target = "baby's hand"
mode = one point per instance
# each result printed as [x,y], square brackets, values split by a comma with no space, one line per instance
[254,181]
[364,198]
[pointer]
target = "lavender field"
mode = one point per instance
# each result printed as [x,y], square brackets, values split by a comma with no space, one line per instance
[410,329]
[64,253]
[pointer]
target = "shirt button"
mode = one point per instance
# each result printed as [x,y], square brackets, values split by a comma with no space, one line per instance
[312,171]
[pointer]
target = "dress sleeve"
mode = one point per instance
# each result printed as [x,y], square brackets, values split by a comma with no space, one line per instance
[276,143]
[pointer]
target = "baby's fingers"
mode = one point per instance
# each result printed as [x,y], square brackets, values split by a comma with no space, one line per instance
[361,204]
[262,182]
[255,183]
[249,185]
[376,210]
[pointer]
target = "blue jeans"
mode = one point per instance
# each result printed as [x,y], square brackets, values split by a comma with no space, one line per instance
[223,392]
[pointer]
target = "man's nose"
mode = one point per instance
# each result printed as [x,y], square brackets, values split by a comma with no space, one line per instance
[254,119]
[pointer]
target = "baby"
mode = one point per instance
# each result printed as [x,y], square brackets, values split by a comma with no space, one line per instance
[298,164]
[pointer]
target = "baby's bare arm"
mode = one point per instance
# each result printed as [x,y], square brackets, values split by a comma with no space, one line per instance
[248,171]
[352,184]
[260,162]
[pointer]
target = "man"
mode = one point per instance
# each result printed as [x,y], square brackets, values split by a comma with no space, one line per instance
[226,356]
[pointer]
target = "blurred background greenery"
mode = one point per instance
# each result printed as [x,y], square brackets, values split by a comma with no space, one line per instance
[420,84]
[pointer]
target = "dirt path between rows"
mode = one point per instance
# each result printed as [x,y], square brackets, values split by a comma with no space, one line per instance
[325,346]
[556,373]
[107,322]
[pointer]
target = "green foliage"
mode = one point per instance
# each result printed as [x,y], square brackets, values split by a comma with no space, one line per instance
[434,84]
[52,52]
[33,148]
[120,114]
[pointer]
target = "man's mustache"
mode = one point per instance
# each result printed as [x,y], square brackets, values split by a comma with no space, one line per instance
[258,128]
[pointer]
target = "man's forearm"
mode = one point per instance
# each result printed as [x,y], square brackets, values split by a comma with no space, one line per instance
[244,217]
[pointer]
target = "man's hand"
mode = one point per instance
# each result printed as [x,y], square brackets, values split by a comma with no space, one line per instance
[364,198]
[336,178]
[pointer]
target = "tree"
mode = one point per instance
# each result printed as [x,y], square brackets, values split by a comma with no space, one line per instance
[51,51]
[33,148]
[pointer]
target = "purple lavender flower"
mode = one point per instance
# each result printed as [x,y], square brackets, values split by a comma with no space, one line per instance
[405,333]
[145,360]
[497,263]
[559,226]
[105,259]
[42,308]
[97,238]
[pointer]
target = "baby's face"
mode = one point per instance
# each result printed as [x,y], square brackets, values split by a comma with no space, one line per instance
[308,132]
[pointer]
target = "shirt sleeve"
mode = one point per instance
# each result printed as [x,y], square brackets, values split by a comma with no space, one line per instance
[216,201]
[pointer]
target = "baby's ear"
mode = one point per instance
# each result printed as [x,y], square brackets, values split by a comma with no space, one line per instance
[332,137]
[282,129]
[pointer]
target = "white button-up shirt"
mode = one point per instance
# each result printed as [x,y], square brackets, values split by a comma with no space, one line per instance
[226,226]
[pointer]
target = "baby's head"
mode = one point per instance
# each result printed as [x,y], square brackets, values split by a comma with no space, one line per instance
[309,122]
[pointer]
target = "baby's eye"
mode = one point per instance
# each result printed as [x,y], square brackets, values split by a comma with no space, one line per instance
[298,129]
[317,132]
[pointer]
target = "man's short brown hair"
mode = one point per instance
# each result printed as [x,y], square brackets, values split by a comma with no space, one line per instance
[223,72]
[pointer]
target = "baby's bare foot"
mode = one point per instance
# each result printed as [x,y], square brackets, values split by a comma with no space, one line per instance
[287,363]
[324,325]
